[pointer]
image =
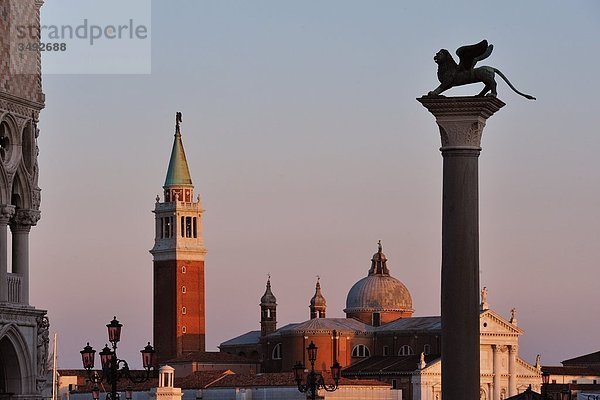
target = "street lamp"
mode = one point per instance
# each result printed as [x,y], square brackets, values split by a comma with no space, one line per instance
[114,369]
[314,380]
[545,380]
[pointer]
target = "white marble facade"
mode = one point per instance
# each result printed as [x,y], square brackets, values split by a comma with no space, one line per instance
[503,373]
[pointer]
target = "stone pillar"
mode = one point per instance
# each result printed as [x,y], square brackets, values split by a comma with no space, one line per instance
[20,226]
[461,121]
[6,213]
[512,370]
[497,372]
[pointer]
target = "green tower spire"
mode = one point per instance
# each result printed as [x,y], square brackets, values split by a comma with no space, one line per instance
[178,172]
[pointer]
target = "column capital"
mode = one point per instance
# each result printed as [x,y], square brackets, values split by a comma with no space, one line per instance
[461,119]
[513,348]
[6,213]
[24,219]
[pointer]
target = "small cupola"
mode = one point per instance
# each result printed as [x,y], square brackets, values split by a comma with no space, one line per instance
[318,304]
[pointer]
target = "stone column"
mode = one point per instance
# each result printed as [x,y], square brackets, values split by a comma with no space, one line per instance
[512,370]
[461,121]
[497,372]
[6,213]
[20,226]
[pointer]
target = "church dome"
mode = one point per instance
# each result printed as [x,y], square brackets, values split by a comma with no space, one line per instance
[379,292]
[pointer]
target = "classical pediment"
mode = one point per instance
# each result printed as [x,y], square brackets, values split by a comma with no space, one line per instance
[492,324]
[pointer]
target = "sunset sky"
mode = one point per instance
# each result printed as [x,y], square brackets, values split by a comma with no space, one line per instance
[307,146]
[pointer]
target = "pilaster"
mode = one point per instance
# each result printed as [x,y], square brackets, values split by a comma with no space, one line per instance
[460,121]
[512,370]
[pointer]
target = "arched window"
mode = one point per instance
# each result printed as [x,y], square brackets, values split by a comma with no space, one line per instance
[183,289]
[426,349]
[183,310]
[183,329]
[183,269]
[276,355]
[360,350]
[406,350]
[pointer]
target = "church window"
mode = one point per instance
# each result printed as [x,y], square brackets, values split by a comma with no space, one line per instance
[167,227]
[360,350]
[188,227]
[182,225]
[406,350]
[183,269]
[183,310]
[183,329]
[195,229]
[426,349]
[394,384]
[183,289]
[386,350]
[276,355]
[162,231]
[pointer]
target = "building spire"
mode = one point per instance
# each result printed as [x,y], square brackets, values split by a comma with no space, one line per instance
[318,304]
[178,173]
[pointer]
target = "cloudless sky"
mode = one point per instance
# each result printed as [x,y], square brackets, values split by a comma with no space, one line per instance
[307,145]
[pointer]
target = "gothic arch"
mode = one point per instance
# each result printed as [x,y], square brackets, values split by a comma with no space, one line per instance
[16,370]
[9,147]
[21,193]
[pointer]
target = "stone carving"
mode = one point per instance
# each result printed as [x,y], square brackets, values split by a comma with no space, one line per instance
[513,316]
[484,302]
[43,340]
[26,218]
[538,364]
[451,74]
[422,363]
[6,212]
[459,133]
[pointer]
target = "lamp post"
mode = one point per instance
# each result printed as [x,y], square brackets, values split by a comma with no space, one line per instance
[314,380]
[114,369]
[545,381]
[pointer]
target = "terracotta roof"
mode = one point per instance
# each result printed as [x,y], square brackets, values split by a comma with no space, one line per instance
[251,337]
[387,365]
[284,379]
[211,357]
[572,370]
[588,359]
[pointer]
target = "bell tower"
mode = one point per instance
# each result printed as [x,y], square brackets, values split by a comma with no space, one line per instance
[178,253]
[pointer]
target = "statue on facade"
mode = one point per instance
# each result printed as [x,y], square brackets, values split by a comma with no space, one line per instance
[451,74]
[513,316]
[484,302]
[43,341]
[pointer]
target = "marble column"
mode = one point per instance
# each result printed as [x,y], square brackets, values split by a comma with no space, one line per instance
[497,372]
[512,370]
[6,213]
[20,226]
[461,121]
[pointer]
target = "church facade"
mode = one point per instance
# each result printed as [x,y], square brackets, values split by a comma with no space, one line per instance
[23,328]
[381,339]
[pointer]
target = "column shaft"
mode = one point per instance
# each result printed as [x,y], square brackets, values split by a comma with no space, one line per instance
[512,371]
[3,261]
[497,373]
[460,275]
[20,258]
